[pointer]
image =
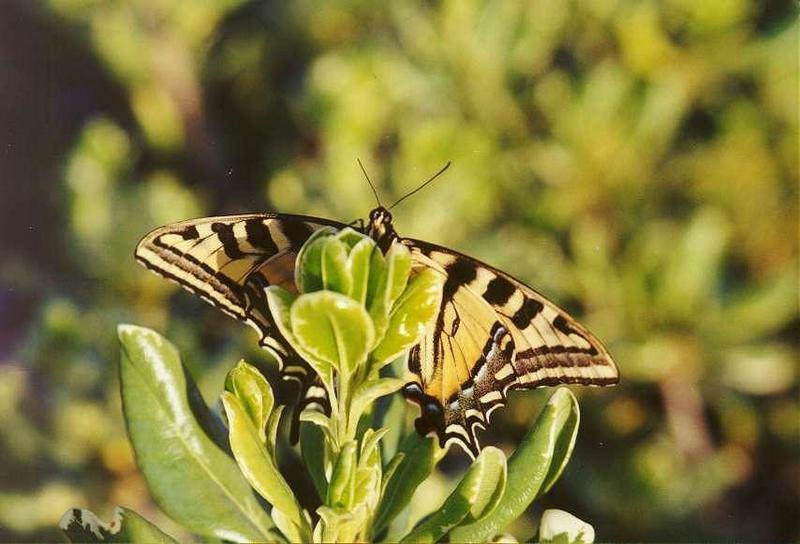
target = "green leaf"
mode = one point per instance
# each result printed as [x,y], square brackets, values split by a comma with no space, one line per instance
[273,425]
[312,447]
[288,527]
[388,279]
[368,475]
[176,457]
[368,392]
[533,469]
[332,522]
[335,275]
[332,328]
[308,265]
[566,423]
[760,310]
[560,527]
[418,305]
[358,265]
[340,490]
[367,488]
[258,466]
[390,469]
[398,261]
[391,413]
[254,393]
[476,495]
[419,458]
[376,283]
[319,419]
[351,238]
[81,525]
[370,455]
[280,303]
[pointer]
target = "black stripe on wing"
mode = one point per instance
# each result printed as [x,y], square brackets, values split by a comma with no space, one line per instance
[228,261]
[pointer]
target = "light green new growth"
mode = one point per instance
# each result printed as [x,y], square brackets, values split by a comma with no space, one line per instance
[357,310]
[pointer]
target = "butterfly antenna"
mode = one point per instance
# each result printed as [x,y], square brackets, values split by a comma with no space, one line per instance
[433,177]
[374,192]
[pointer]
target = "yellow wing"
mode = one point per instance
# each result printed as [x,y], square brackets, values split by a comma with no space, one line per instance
[493,333]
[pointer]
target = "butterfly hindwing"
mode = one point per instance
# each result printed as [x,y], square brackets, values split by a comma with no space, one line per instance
[493,334]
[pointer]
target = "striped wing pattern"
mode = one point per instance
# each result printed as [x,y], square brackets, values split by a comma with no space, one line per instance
[228,261]
[493,334]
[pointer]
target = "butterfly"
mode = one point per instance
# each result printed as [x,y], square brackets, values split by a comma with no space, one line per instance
[492,333]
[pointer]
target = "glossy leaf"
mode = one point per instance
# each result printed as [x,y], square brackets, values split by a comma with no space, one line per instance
[358,265]
[288,527]
[369,392]
[308,265]
[319,419]
[390,469]
[367,488]
[533,468]
[341,488]
[331,523]
[351,237]
[280,303]
[81,525]
[332,328]
[388,279]
[376,282]
[476,495]
[273,425]
[368,474]
[391,414]
[312,447]
[411,314]
[398,261]
[258,465]
[419,458]
[335,273]
[370,454]
[566,423]
[176,457]
[254,393]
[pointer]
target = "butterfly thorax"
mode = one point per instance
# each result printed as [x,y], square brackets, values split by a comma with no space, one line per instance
[380,228]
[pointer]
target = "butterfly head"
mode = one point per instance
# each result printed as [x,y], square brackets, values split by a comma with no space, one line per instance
[380,228]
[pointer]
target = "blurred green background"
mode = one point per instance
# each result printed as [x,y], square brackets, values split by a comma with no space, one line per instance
[637,161]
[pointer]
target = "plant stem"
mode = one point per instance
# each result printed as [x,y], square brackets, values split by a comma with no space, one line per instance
[343,400]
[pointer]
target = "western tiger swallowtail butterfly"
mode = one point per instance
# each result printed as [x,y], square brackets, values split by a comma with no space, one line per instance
[492,334]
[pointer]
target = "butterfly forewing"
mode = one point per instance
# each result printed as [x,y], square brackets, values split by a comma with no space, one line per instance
[229,261]
[494,333]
